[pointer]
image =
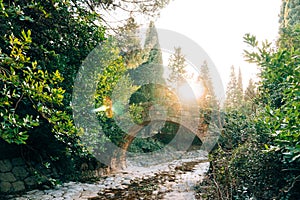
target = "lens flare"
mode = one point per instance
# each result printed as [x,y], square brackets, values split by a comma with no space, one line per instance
[101,108]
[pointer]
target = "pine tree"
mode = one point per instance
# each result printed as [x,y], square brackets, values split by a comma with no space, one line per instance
[177,65]
[209,98]
[150,71]
[130,44]
[250,93]
[234,92]
[231,91]
[249,97]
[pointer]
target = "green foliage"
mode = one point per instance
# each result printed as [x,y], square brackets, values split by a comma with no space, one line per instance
[63,34]
[237,130]
[109,88]
[107,82]
[153,46]
[250,98]
[24,84]
[280,75]
[42,45]
[151,70]
[59,41]
[145,145]
[149,76]
[290,37]
[144,7]
[266,164]
[130,45]
[241,168]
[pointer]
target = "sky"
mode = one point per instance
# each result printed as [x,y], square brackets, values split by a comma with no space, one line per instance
[218,26]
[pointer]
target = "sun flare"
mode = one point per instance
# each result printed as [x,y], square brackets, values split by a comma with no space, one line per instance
[190,91]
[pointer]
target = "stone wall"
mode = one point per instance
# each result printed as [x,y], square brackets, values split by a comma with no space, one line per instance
[16,175]
[22,171]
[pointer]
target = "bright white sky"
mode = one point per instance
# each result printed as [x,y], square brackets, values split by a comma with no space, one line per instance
[218,26]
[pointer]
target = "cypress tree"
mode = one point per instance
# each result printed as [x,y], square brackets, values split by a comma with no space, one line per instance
[150,71]
[149,75]
[289,24]
[290,13]
[239,89]
[152,43]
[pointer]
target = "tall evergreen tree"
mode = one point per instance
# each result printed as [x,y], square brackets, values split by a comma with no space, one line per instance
[152,43]
[149,75]
[130,44]
[249,94]
[177,65]
[290,24]
[239,89]
[155,60]
[150,71]
[209,99]
[231,94]
[289,14]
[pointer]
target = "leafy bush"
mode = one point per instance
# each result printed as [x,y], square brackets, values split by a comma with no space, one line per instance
[145,145]
[42,45]
[281,92]
[27,86]
[244,169]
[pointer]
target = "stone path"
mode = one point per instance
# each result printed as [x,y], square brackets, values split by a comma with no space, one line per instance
[171,180]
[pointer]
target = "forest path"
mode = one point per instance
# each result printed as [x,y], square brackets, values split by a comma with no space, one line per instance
[168,180]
